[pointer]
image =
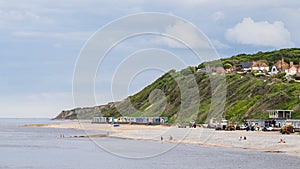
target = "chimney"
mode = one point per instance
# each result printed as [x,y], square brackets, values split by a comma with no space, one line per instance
[282,63]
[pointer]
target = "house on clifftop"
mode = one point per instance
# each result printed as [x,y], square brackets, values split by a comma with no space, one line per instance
[281,65]
[259,65]
[245,66]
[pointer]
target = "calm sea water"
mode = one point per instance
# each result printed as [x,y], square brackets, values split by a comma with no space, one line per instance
[42,148]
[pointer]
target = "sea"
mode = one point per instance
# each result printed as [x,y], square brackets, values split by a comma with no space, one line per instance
[51,148]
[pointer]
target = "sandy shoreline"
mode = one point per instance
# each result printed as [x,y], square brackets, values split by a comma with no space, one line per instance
[255,140]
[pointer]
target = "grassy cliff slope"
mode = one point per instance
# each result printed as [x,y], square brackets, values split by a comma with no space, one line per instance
[245,96]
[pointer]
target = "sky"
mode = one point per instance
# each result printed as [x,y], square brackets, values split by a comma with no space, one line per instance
[41,40]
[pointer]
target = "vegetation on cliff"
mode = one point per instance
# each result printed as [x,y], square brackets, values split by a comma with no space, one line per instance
[246,96]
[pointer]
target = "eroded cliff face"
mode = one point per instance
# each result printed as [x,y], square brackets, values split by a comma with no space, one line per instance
[84,113]
[66,114]
[246,95]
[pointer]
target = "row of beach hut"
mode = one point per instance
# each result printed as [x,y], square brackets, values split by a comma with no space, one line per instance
[142,120]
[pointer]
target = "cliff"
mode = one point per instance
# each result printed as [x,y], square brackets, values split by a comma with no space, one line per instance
[246,96]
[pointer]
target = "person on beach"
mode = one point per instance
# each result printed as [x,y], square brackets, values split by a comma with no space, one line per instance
[281,141]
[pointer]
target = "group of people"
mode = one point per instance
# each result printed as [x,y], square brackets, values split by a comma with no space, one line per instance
[162,139]
[245,138]
[192,124]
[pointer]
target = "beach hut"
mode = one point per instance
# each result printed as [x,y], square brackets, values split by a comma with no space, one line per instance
[280,114]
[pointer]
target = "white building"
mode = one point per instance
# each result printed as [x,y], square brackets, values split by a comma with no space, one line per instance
[273,71]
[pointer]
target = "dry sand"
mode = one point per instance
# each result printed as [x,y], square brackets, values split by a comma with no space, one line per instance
[255,140]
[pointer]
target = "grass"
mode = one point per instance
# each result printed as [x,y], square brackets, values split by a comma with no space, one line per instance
[246,96]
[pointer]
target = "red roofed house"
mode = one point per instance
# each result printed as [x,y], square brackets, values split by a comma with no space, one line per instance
[259,65]
[292,70]
[281,65]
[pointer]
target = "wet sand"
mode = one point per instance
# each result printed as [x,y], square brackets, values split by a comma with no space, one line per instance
[254,140]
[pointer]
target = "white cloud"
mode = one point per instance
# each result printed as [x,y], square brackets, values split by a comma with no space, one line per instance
[260,33]
[50,20]
[218,16]
[11,18]
[55,35]
[15,17]
[187,34]
[18,15]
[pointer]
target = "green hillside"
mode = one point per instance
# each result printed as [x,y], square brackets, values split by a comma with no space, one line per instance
[245,96]
[270,58]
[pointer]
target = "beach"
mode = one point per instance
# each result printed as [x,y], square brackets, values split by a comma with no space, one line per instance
[38,143]
[273,142]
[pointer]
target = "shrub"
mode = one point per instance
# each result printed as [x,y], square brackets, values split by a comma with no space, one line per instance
[280,75]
